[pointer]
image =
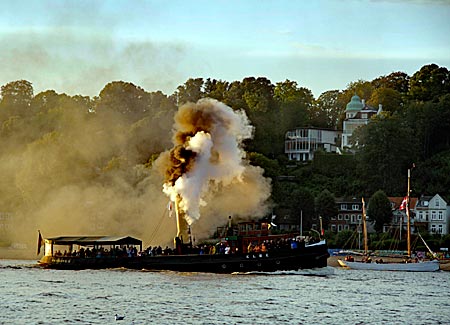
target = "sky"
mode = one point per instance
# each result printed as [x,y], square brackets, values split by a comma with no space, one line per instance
[77,47]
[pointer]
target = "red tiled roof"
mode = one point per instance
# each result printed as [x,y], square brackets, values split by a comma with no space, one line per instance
[397,200]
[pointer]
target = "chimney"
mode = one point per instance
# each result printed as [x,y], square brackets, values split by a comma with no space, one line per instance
[380,108]
[363,101]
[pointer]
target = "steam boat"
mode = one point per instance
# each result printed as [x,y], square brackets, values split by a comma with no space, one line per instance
[208,147]
[233,253]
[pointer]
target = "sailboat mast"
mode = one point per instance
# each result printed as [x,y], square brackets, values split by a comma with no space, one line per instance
[408,219]
[366,246]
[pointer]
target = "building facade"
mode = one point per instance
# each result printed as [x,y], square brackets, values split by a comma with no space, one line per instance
[357,114]
[349,217]
[433,213]
[301,143]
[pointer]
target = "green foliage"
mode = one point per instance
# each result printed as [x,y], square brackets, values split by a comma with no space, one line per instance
[387,147]
[270,166]
[345,239]
[191,91]
[430,83]
[326,206]
[398,81]
[330,109]
[389,98]
[124,98]
[127,124]
[379,210]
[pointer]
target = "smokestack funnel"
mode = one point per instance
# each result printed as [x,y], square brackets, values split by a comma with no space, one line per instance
[182,225]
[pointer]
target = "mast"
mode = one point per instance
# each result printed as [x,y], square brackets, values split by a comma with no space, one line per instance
[408,219]
[366,246]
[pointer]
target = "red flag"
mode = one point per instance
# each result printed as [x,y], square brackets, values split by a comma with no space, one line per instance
[40,243]
[404,203]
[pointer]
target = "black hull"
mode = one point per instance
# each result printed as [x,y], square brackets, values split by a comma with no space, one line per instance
[281,260]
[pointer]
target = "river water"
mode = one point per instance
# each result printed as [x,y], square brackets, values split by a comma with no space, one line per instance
[30,295]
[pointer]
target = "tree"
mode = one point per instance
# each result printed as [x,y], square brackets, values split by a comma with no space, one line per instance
[16,99]
[329,105]
[429,83]
[390,99]
[398,81]
[386,147]
[430,122]
[295,104]
[362,88]
[379,210]
[125,98]
[303,206]
[326,207]
[216,89]
[191,91]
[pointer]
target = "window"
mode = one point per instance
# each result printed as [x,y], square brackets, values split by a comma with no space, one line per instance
[441,215]
[347,217]
[333,217]
[333,228]
[345,227]
[359,217]
[433,228]
[340,217]
[343,206]
[433,215]
[440,229]
[437,204]
[339,228]
[355,207]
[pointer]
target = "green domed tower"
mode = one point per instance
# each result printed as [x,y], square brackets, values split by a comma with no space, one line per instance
[354,106]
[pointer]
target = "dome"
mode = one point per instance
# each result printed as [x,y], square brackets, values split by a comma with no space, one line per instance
[355,104]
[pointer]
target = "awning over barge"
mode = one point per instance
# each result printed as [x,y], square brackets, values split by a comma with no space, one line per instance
[93,240]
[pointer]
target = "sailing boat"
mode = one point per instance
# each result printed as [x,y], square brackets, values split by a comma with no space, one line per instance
[420,266]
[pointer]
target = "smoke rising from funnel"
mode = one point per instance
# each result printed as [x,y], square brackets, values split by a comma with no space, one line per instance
[208,159]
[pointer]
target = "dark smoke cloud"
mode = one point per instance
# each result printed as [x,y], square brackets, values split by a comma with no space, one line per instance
[207,167]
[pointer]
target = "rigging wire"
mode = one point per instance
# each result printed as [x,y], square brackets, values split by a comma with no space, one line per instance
[155,231]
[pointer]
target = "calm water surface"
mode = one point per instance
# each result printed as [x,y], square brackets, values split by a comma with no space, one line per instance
[30,295]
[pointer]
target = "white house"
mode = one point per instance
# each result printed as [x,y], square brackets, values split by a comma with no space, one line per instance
[357,114]
[301,143]
[433,211]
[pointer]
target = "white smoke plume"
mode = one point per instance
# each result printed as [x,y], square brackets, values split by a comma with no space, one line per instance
[208,159]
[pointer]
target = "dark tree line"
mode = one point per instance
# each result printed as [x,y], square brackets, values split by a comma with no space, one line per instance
[414,128]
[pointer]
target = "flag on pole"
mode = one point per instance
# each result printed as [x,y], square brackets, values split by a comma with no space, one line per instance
[39,243]
[404,203]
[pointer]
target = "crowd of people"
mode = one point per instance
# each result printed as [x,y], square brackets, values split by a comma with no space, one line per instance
[124,251]
[256,247]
